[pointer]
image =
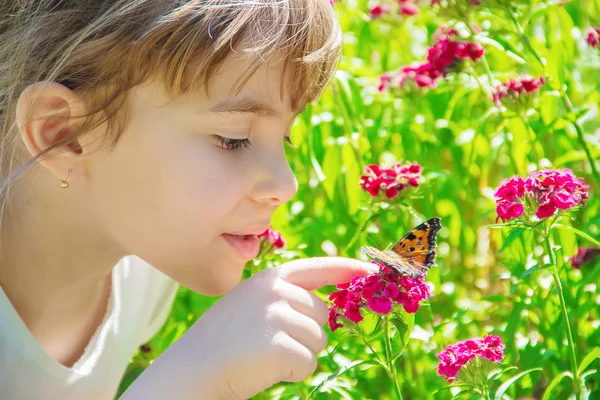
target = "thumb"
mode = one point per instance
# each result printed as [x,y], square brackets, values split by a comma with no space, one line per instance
[312,273]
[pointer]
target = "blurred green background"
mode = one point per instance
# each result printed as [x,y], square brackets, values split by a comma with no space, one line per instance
[467,146]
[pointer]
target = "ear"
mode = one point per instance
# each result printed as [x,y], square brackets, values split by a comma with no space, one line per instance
[46,113]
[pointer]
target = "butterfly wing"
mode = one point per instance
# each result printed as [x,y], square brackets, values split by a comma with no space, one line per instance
[414,254]
[417,247]
[387,257]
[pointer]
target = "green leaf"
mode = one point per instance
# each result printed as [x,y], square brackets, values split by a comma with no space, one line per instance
[340,372]
[512,236]
[504,387]
[593,355]
[331,167]
[404,327]
[533,269]
[494,299]
[587,374]
[578,232]
[557,379]
[351,177]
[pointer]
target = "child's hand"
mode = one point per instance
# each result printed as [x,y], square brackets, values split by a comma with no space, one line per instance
[269,328]
[266,330]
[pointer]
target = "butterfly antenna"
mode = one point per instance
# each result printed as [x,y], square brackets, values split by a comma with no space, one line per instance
[369,237]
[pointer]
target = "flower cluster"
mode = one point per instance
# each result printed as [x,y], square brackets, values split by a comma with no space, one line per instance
[274,238]
[593,37]
[455,356]
[472,2]
[516,87]
[405,7]
[443,57]
[584,255]
[548,191]
[378,292]
[391,180]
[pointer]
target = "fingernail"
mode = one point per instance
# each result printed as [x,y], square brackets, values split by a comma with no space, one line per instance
[373,268]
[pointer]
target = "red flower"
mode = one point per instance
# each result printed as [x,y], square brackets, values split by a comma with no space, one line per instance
[593,37]
[274,237]
[377,292]
[408,8]
[333,319]
[454,357]
[549,190]
[378,10]
[472,2]
[511,188]
[443,57]
[385,80]
[391,180]
[584,255]
[516,87]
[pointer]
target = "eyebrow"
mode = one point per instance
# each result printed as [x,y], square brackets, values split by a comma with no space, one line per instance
[246,105]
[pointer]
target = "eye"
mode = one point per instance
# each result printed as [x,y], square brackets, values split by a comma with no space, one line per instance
[232,144]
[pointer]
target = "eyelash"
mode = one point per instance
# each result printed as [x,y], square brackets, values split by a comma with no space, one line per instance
[235,144]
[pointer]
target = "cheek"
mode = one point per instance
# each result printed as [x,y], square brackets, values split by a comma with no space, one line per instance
[167,196]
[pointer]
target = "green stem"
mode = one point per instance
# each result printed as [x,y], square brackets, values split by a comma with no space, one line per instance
[580,135]
[486,65]
[370,347]
[524,38]
[565,315]
[388,353]
[532,136]
[511,154]
[564,97]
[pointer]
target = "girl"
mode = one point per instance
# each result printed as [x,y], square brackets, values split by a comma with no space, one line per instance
[142,148]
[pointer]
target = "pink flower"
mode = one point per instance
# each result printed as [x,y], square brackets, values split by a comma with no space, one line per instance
[548,190]
[415,290]
[584,255]
[511,188]
[408,8]
[508,210]
[442,58]
[333,319]
[454,357]
[384,82]
[593,37]
[378,10]
[391,180]
[377,292]
[516,87]
[274,237]
[352,312]
[472,2]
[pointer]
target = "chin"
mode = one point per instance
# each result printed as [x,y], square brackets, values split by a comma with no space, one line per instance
[220,281]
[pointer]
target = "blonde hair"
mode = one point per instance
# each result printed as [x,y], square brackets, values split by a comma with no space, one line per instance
[118,44]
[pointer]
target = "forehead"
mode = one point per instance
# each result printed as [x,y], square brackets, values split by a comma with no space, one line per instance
[267,85]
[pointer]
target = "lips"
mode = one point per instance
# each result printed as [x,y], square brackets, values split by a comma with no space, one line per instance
[246,246]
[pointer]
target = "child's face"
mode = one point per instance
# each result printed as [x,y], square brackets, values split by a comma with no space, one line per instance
[169,190]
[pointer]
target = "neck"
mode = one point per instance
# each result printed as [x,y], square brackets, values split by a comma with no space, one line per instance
[54,262]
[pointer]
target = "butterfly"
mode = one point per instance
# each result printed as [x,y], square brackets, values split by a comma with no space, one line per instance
[414,254]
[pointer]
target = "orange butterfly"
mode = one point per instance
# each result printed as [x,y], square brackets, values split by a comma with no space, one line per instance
[414,254]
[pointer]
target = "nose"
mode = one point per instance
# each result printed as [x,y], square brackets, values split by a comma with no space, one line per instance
[274,182]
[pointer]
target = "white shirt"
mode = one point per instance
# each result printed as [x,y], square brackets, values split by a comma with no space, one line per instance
[140,300]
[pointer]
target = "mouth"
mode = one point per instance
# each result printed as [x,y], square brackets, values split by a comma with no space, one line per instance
[246,246]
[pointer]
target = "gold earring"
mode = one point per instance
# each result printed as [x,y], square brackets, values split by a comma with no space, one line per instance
[65,184]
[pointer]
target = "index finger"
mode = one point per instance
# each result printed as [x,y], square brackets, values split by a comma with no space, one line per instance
[312,273]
